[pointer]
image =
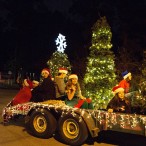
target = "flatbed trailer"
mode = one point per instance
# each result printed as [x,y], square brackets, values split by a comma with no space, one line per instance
[73,125]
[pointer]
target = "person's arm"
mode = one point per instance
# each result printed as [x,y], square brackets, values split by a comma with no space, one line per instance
[112,105]
[109,106]
[80,95]
[70,93]
[43,87]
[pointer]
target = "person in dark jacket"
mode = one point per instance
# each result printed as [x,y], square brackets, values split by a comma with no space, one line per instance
[45,90]
[119,103]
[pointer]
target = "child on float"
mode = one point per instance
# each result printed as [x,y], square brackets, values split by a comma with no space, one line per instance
[119,103]
[126,84]
[24,95]
[45,90]
[74,95]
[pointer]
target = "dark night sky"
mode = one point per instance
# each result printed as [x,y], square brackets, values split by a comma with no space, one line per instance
[28,29]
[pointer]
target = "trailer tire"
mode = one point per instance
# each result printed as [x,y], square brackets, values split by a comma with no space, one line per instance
[41,124]
[71,130]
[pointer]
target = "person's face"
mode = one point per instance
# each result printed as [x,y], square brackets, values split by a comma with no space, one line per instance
[121,94]
[74,81]
[44,74]
[63,75]
[34,84]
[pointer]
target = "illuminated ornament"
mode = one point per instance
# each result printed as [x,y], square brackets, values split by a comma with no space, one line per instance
[61,43]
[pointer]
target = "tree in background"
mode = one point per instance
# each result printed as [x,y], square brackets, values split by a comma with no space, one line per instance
[142,83]
[100,72]
[59,58]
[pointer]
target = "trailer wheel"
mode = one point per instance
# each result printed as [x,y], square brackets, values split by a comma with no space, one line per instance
[41,124]
[72,131]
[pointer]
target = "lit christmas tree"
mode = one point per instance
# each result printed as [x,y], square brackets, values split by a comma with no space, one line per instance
[143,69]
[59,58]
[100,72]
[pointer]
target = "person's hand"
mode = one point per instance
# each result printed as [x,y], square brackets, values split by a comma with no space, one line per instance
[110,110]
[73,88]
[82,97]
[122,108]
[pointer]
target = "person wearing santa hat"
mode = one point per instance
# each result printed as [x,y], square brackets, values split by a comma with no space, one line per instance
[125,82]
[74,95]
[60,83]
[24,95]
[45,90]
[35,83]
[119,103]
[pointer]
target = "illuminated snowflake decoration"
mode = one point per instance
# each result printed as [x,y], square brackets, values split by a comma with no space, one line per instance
[61,43]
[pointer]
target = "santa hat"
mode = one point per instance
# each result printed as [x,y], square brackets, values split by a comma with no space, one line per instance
[28,83]
[63,70]
[117,89]
[35,81]
[46,70]
[73,76]
[125,74]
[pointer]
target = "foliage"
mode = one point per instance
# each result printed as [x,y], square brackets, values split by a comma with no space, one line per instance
[57,60]
[100,72]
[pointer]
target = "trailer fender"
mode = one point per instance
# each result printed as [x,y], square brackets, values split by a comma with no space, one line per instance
[90,122]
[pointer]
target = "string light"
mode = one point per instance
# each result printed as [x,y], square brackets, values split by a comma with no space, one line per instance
[107,120]
[100,74]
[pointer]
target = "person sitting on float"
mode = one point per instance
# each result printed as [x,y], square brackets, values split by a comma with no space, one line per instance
[119,103]
[74,95]
[60,84]
[46,89]
[24,95]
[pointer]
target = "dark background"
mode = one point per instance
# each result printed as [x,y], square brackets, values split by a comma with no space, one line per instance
[29,28]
